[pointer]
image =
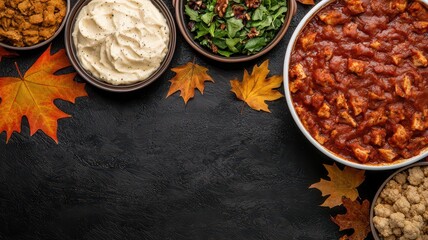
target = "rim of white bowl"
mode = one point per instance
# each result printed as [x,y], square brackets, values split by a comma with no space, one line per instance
[385,166]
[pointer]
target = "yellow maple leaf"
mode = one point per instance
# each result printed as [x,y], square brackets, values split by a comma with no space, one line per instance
[341,184]
[33,95]
[255,89]
[187,78]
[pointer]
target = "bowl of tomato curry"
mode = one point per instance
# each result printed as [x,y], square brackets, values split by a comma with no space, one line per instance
[356,81]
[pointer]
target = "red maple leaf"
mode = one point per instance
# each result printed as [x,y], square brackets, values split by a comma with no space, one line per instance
[357,217]
[6,53]
[33,94]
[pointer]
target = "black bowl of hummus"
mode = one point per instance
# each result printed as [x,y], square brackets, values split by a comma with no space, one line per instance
[120,45]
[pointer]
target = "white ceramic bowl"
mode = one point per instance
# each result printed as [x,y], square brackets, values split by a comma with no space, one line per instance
[290,47]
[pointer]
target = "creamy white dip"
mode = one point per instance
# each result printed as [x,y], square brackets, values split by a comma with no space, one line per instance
[121,41]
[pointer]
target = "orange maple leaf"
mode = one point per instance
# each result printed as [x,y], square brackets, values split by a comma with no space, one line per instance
[33,95]
[255,89]
[342,184]
[187,78]
[357,217]
[6,53]
[307,2]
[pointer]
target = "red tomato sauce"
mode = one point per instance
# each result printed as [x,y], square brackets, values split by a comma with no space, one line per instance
[359,77]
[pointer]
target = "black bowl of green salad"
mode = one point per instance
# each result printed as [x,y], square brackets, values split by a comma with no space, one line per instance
[234,30]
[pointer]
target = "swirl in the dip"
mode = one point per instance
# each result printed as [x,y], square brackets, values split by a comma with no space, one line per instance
[121,41]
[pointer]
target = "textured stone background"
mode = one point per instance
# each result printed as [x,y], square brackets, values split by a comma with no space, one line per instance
[139,166]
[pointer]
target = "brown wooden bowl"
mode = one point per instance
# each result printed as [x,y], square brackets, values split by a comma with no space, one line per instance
[71,51]
[188,36]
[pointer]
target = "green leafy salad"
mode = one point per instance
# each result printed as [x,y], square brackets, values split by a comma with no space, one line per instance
[229,27]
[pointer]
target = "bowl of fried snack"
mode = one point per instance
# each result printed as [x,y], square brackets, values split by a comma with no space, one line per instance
[26,25]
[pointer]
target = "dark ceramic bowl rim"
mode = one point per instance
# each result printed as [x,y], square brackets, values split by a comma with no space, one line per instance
[181,23]
[372,227]
[71,51]
[43,43]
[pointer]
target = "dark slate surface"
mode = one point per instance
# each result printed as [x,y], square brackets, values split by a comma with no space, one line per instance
[139,166]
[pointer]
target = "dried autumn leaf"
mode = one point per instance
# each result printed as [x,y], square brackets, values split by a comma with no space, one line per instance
[6,53]
[255,89]
[357,217]
[187,78]
[33,95]
[307,2]
[341,184]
